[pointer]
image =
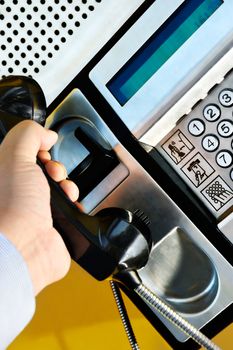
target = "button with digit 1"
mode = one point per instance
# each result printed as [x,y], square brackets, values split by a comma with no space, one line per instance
[210,143]
[211,112]
[224,158]
[225,128]
[196,127]
[226,97]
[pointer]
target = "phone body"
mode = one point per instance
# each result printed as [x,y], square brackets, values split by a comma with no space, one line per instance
[158,86]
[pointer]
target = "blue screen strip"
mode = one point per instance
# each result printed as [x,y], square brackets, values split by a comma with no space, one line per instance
[178,28]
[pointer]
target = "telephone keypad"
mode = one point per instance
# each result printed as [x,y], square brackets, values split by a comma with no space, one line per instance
[200,148]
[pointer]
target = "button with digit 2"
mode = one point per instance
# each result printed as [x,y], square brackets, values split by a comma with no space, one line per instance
[211,112]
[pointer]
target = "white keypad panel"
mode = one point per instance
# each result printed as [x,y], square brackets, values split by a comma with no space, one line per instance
[200,148]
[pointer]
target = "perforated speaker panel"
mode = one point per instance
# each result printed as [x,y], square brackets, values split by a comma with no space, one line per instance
[52,40]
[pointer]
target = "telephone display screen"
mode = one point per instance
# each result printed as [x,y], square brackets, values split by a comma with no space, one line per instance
[176,30]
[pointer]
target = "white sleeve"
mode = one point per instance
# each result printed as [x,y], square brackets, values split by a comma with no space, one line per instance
[17,301]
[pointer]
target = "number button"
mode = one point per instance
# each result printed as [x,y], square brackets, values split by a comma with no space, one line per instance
[226,97]
[196,127]
[210,143]
[231,174]
[212,113]
[225,128]
[224,159]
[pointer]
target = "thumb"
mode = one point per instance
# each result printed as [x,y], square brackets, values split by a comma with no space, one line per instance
[26,139]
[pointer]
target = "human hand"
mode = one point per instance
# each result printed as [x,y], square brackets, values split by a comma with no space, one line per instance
[25,212]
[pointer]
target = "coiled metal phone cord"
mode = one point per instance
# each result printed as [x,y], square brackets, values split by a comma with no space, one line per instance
[124,316]
[156,303]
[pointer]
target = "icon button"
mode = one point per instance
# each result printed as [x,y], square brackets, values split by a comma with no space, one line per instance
[196,127]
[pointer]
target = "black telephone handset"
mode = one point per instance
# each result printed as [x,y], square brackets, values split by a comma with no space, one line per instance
[101,244]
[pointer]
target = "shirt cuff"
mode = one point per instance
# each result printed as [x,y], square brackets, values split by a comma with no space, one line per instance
[17,300]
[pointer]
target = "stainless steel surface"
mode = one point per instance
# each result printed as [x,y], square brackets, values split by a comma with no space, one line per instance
[139,190]
[170,314]
[226,227]
[180,272]
[54,40]
[195,57]
[64,150]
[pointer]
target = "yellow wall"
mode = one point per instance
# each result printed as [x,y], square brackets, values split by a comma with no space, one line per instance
[79,313]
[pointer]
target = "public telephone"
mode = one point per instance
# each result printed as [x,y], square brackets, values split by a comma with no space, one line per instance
[151,100]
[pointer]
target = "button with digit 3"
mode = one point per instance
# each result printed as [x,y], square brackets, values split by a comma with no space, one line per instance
[226,97]
[196,127]
[225,128]
[210,143]
[224,158]
[212,112]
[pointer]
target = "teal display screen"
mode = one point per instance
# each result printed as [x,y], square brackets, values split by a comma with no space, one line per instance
[177,29]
